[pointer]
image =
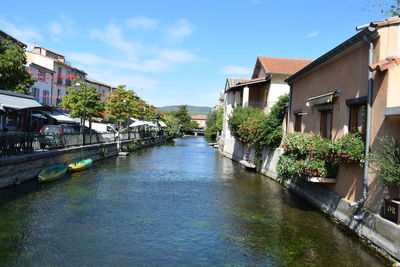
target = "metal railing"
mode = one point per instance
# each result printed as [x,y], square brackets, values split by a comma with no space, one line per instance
[12,144]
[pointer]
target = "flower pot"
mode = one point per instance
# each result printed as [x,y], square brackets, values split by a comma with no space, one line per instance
[391,210]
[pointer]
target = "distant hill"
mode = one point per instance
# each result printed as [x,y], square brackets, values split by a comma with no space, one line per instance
[193,110]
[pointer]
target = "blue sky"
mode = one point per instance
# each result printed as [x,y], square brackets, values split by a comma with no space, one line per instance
[180,52]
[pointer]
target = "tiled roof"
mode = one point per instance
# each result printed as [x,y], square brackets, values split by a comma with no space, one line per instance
[282,65]
[385,21]
[234,81]
[99,83]
[385,64]
[199,117]
[251,80]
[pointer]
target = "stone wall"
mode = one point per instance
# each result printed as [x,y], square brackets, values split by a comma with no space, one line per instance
[379,233]
[17,169]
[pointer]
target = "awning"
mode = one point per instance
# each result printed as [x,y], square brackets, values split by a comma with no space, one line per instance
[150,124]
[37,115]
[322,99]
[137,123]
[61,118]
[162,124]
[10,101]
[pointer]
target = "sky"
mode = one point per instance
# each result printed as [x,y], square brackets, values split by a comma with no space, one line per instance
[181,52]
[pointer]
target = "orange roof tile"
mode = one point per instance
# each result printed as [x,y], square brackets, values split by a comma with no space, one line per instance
[385,64]
[389,20]
[251,80]
[199,117]
[282,65]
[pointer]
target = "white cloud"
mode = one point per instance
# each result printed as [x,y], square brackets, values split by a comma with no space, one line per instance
[62,28]
[23,32]
[233,69]
[181,56]
[144,23]
[112,36]
[181,30]
[311,34]
[116,77]
[148,65]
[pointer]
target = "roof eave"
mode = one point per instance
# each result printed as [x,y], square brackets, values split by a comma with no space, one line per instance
[268,78]
[347,46]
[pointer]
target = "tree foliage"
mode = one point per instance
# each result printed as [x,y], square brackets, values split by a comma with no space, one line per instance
[173,126]
[185,120]
[74,100]
[214,122]
[387,7]
[13,74]
[385,160]
[123,104]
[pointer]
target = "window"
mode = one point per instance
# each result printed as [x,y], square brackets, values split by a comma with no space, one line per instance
[297,122]
[326,123]
[357,118]
[41,76]
[59,80]
[36,93]
[67,79]
[358,113]
[46,99]
[58,101]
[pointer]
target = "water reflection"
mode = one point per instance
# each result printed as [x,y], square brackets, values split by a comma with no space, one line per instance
[178,204]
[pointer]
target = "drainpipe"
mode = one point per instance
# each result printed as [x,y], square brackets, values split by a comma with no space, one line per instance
[368,130]
[289,110]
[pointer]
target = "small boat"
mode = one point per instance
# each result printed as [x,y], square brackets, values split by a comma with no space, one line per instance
[52,173]
[80,165]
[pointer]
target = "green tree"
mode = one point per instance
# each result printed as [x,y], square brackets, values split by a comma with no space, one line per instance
[173,126]
[184,118]
[214,122]
[13,74]
[74,101]
[122,104]
[389,8]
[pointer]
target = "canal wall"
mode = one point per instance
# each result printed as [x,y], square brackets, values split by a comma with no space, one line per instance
[18,169]
[380,234]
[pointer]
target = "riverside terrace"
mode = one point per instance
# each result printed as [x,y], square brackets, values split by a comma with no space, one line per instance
[12,144]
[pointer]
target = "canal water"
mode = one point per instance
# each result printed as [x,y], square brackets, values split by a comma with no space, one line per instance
[180,204]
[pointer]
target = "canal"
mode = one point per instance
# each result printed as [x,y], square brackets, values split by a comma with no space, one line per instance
[180,204]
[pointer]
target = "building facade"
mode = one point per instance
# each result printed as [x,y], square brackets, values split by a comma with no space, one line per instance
[353,87]
[103,88]
[58,77]
[262,91]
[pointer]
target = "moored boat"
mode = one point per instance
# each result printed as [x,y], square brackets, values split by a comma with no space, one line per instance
[80,165]
[52,173]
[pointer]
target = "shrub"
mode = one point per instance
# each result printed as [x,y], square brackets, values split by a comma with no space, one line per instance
[252,127]
[289,166]
[214,122]
[350,148]
[240,116]
[319,156]
[385,160]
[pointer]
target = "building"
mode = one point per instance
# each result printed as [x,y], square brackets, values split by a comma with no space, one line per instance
[262,91]
[354,86]
[200,119]
[103,88]
[54,77]
[6,37]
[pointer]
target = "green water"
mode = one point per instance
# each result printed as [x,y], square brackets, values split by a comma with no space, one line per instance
[180,204]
